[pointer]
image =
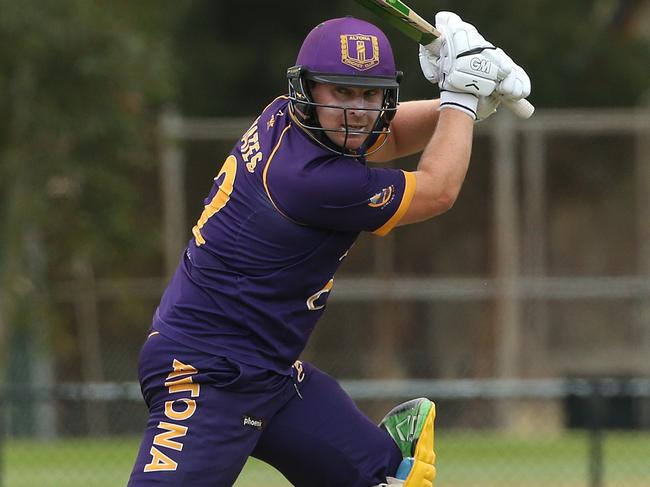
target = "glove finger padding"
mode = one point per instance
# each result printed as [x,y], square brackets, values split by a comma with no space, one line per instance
[513,83]
[465,68]
[516,85]
[429,61]
[464,36]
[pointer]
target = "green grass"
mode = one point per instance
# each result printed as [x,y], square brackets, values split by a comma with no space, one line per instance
[94,463]
[464,460]
[488,460]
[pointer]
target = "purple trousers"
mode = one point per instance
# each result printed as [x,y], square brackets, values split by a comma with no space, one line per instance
[208,414]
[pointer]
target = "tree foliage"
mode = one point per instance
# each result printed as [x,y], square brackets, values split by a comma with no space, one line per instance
[579,53]
[82,84]
[80,89]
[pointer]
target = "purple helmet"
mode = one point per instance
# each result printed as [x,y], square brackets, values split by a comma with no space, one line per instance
[349,52]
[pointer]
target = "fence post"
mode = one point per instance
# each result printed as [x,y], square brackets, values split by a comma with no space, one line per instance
[90,343]
[533,252]
[3,419]
[172,181]
[596,419]
[506,258]
[383,357]
[642,163]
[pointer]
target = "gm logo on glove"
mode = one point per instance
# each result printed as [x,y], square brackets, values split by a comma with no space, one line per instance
[480,65]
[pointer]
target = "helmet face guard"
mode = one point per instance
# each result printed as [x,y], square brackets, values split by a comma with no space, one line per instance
[352,53]
[303,108]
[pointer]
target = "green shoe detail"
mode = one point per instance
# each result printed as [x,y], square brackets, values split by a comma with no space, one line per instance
[404,424]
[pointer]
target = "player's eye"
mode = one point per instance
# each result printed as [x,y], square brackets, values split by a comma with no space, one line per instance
[372,94]
[342,90]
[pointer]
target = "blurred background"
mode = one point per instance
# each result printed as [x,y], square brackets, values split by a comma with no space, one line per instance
[524,312]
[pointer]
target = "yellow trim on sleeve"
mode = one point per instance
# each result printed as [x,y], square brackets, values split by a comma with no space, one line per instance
[409,191]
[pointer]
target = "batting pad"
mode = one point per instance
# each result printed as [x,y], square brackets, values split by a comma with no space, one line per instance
[424,471]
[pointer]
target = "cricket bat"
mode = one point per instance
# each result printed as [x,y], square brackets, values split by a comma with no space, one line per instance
[400,16]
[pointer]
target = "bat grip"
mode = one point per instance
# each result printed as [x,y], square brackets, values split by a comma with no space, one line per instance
[521,108]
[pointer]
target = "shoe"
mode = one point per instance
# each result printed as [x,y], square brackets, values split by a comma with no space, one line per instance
[410,425]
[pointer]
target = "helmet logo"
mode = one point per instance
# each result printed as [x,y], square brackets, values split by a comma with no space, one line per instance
[360,51]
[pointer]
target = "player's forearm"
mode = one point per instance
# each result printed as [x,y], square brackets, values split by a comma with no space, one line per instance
[442,167]
[411,130]
[446,158]
[447,153]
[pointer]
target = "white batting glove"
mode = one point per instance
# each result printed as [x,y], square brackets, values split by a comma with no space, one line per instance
[430,61]
[487,105]
[467,60]
[456,61]
[472,64]
[515,84]
[463,63]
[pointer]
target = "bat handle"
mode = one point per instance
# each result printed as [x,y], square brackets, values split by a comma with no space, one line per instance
[522,108]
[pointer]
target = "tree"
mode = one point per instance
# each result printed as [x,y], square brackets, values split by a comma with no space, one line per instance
[82,89]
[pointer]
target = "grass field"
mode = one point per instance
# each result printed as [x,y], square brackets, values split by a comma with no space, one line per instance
[464,460]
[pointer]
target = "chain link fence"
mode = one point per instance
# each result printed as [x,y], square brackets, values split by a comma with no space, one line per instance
[567,433]
[529,304]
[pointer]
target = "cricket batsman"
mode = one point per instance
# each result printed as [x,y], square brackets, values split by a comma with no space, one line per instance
[220,370]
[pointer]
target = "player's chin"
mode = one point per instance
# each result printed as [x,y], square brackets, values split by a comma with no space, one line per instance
[352,141]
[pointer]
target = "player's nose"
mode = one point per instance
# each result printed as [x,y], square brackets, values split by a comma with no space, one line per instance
[357,107]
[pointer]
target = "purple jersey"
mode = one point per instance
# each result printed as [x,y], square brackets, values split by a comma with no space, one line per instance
[280,218]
